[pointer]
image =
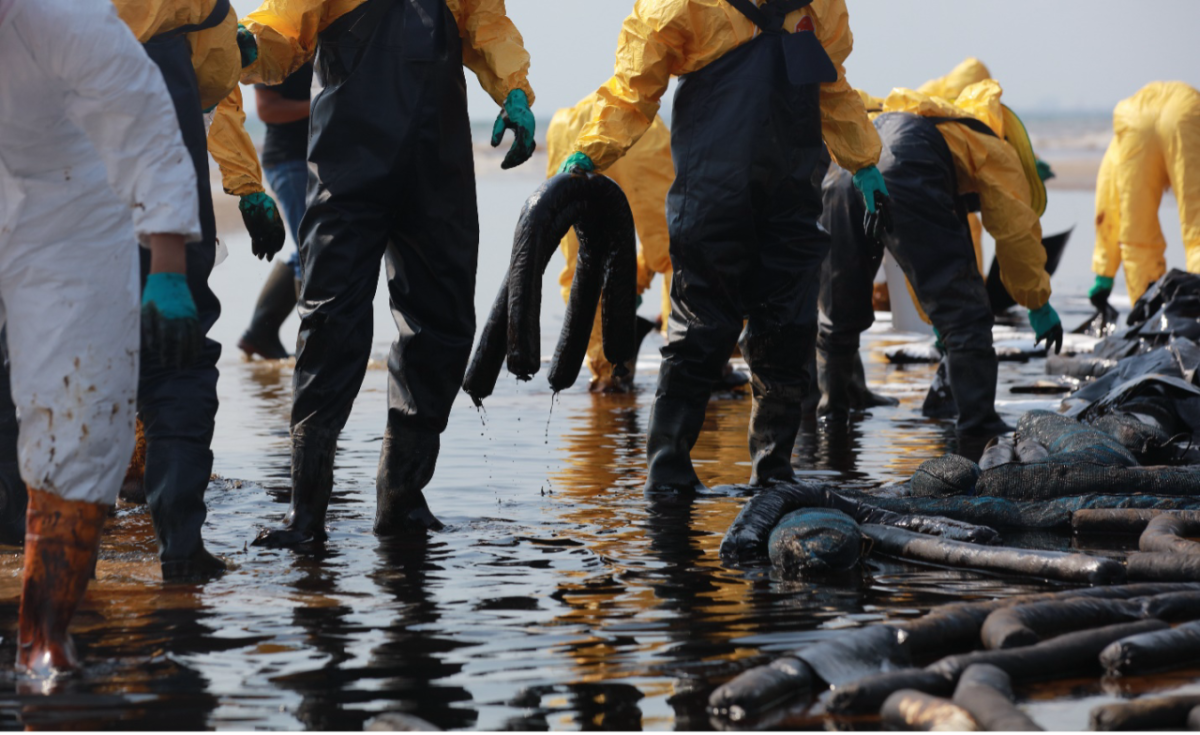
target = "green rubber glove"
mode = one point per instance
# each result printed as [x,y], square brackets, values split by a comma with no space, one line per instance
[264,224]
[937,341]
[170,324]
[515,114]
[247,45]
[1100,292]
[1045,173]
[577,163]
[1047,326]
[870,184]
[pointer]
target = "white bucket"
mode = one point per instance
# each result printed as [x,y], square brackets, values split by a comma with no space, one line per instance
[904,314]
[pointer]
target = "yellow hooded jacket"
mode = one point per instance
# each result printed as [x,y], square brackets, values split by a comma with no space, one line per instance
[287,38]
[644,174]
[1156,145]
[665,38]
[991,168]
[218,64]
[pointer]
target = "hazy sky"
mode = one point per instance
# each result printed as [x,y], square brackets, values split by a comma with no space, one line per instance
[1049,54]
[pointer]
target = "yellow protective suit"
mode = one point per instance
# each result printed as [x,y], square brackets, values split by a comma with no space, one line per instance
[970,71]
[644,174]
[992,168]
[218,64]
[665,38]
[287,38]
[1156,145]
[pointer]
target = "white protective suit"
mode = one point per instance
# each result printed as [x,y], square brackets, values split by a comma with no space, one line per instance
[87,135]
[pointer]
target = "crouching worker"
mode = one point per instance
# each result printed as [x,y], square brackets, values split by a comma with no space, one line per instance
[759,87]
[938,160]
[87,135]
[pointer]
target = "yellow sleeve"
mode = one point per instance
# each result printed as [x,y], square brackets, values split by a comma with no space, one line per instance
[286,31]
[1005,198]
[852,139]
[217,60]
[493,48]
[1106,259]
[232,148]
[649,50]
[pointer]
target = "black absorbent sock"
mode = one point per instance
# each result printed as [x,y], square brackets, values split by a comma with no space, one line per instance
[406,464]
[275,304]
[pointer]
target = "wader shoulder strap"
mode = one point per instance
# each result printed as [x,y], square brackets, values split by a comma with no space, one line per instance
[768,16]
[979,126]
[214,19]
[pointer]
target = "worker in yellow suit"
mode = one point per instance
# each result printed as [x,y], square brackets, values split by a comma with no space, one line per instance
[1156,145]
[761,92]
[644,174]
[935,156]
[391,178]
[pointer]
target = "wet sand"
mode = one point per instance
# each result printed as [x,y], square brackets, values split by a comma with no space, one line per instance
[556,598]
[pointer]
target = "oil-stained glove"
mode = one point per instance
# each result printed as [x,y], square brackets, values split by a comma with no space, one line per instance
[1100,292]
[515,114]
[577,163]
[170,323]
[264,224]
[247,45]
[1047,326]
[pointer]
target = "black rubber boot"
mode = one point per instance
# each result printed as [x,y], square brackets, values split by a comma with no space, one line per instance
[939,400]
[843,383]
[275,304]
[177,474]
[14,497]
[406,464]
[973,376]
[675,425]
[774,424]
[313,450]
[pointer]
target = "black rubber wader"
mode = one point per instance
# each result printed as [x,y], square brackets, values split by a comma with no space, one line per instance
[178,408]
[391,179]
[931,243]
[745,245]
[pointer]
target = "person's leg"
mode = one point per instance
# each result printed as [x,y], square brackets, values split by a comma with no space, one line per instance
[278,297]
[13,497]
[846,289]
[72,318]
[1141,180]
[1182,148]
[431,266]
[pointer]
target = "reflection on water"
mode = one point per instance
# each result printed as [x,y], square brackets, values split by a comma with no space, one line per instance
[556,598]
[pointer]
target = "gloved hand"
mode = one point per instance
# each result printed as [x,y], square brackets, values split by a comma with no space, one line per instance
[248,45]
[870,184]
[577,163]
[170,324]
[515,114]
[937,341]
[1045,173]
[1100,292]
[1047,326]
[264,224]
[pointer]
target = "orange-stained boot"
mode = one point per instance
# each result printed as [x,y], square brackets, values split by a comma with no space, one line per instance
[61,541]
